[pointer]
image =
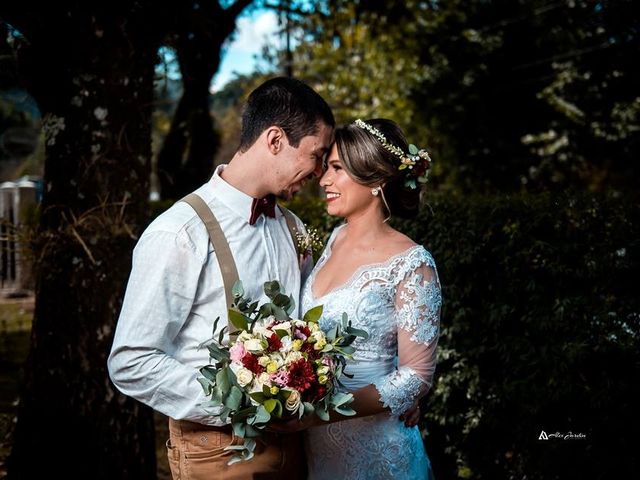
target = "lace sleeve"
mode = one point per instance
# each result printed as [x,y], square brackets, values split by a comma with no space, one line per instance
[418,302]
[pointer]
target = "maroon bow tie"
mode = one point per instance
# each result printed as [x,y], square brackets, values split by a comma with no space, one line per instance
[266,205]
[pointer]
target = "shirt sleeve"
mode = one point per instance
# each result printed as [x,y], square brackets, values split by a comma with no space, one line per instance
[417,308]
[160,292]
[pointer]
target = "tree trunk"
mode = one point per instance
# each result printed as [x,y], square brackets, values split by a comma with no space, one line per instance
[186,158]
[92,76]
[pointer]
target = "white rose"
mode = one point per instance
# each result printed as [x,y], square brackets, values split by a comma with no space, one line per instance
[244,336]
[259,381]
[286,326]
[286,343]
[244,376]
[293,402]
[261,330]
[292,357]
[319,335]
[254,345]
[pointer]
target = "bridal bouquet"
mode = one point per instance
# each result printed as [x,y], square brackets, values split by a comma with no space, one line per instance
[276,367]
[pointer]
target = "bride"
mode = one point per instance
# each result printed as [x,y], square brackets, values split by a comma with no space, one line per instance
[388,285]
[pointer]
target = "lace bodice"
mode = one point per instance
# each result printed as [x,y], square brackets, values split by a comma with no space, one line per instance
[398,303]
[393,301]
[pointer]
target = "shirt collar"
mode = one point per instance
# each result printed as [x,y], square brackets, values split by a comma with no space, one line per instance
[237,201]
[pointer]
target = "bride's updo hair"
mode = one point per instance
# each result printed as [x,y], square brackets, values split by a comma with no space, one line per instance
[370,164]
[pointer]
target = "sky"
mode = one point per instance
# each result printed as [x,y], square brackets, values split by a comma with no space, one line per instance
[254,31]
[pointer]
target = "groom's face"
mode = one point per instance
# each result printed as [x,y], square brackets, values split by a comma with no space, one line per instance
[302,163]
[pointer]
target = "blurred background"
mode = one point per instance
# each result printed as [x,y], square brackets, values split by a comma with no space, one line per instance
[112,110]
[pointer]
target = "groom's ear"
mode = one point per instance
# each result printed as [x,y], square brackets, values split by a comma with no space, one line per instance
[276,139]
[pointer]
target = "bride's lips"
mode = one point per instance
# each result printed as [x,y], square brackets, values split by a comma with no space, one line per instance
[331,196]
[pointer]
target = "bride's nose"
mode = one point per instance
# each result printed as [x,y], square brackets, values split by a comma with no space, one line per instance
[326,179]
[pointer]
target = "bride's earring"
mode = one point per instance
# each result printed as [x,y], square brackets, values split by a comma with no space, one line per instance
[375,191]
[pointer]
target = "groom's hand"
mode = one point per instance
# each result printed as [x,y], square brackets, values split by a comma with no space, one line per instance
[292,426]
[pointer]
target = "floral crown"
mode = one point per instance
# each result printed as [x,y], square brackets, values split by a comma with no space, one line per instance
[415,164]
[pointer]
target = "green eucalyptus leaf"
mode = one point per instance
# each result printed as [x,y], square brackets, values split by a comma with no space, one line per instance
[341,398]
[234,400]
[252,308]
[221,334]
[292,305]
[413,150]
[271,289]
[321,412]
[206,385]
[313,314]
[224,414]
[237,290]
[239,429]
[209,373]
[217,353]
[262,416]
[252,432]
[278,409]
[348,350]
[281,333]
[347,411]
[357,332]
[280,313]
[238,320]
[259,397]
[222,381]
[270,404]
[331,334]
[281,300]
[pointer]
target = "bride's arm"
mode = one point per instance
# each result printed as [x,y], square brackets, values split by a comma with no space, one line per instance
[418,302]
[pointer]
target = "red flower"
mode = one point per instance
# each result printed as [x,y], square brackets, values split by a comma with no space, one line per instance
[316,392]
[250,361]
[301,375]
[312,353]
[420,168]
[274,343]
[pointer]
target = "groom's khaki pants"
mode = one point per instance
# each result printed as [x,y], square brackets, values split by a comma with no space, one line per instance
[196,452]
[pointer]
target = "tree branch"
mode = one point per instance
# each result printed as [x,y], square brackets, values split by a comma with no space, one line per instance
[238,6]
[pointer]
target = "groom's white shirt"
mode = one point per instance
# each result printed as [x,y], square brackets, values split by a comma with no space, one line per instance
[175,292]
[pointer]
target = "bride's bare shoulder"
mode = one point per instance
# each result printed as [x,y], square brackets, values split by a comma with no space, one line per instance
[398,242]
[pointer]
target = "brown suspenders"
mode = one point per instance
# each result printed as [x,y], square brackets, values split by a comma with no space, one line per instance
[221,245]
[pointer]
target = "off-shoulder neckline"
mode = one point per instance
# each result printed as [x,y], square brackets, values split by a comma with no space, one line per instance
[357,272]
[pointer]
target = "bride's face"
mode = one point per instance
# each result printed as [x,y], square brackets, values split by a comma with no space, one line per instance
[344,196]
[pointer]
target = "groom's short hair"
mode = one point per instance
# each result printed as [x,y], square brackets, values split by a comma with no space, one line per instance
[287,103]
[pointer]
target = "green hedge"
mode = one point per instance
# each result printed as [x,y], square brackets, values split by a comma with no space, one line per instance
[540,330]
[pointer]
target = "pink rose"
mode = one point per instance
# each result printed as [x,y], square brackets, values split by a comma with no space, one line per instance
[237,352]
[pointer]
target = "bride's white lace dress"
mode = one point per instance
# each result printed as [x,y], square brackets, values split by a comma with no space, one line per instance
[398,303]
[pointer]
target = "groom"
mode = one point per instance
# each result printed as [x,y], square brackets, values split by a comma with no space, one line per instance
[176,286]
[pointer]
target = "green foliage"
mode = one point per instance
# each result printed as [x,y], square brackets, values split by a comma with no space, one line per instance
[507,96]
[540,331]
